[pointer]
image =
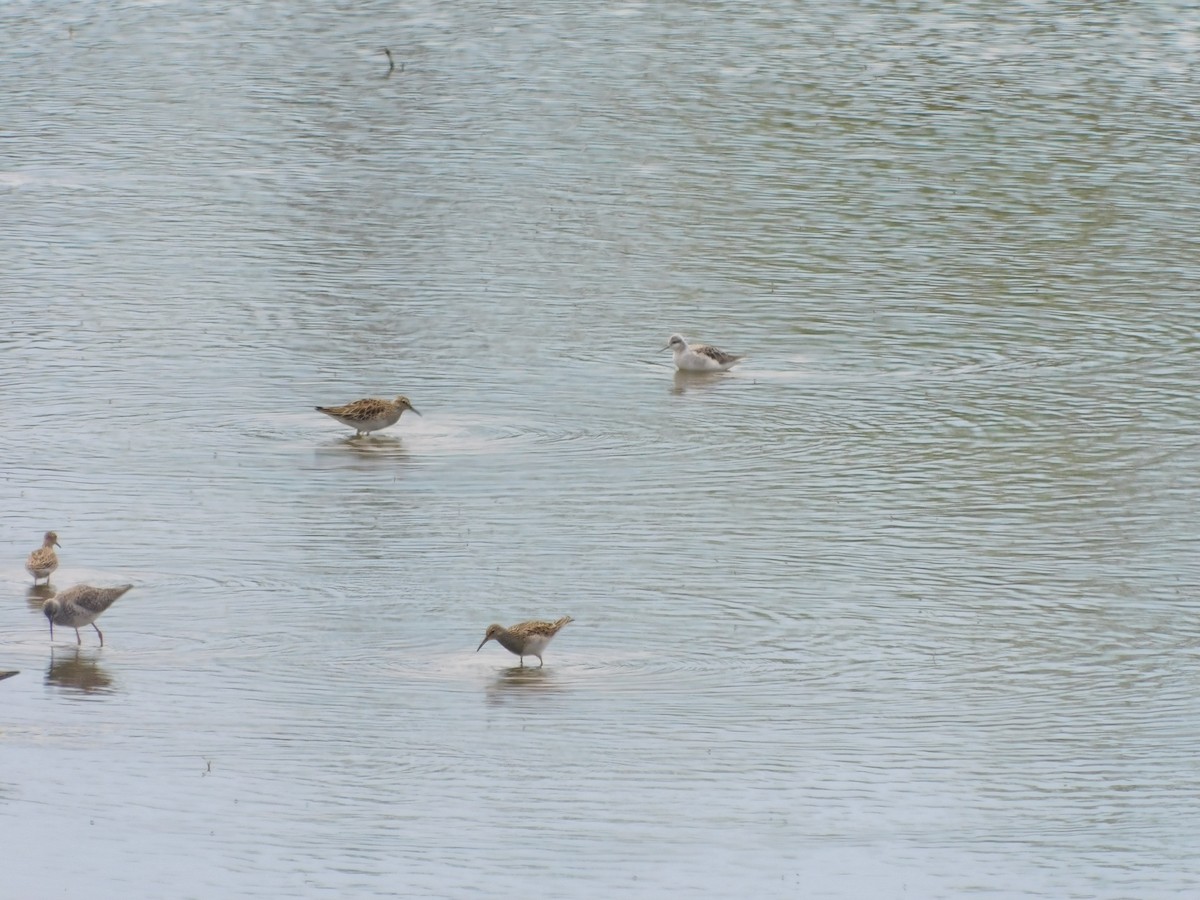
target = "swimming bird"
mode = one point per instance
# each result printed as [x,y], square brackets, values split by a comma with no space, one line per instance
[700,357]
[81,605]
[43,560]
[526,639]
[370,414]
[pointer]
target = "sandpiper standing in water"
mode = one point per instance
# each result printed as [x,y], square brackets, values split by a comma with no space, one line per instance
[43,560]
[700,357]
[81,605]
[526,639]
[368,415]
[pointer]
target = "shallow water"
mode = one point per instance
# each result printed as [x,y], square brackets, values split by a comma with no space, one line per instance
[904,605]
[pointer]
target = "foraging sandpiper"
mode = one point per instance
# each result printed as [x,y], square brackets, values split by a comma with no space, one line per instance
[81,605]
[526,639]
[369,415]
[43,560]
[700,357]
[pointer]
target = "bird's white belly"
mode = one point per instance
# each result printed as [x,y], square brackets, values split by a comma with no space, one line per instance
[375,424]
[535,646]
[696,362]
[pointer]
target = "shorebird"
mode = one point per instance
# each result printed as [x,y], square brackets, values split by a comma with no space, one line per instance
[81,605]
[526,639]
[370,414]
[700,357]
[43,560]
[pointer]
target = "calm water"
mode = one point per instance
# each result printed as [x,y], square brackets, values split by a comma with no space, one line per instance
[905,606]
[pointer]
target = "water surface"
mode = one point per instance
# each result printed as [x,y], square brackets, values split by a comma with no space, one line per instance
[901,606]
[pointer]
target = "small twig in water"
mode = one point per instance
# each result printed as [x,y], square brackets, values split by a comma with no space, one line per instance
[391,62]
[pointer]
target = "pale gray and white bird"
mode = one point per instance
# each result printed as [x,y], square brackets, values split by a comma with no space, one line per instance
[81,605]
[700,357]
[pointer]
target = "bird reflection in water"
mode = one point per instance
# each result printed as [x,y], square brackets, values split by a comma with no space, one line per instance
[685,381]
[361,452]
[37,595]
[78,672]
[374,445]
[517,682]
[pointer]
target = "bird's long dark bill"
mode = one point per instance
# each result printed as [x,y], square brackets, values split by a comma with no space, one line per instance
[51,629]
[668,347]
[413,410]
[481,643]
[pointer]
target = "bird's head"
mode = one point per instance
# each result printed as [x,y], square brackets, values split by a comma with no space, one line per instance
[403,403]
[493,632]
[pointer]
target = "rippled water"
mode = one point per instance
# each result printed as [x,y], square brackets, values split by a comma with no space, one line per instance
[902,606]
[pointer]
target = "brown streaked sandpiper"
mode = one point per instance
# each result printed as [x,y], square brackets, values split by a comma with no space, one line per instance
[81,605]
[526,639]
[370,414]
[43,560]
[700,357]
